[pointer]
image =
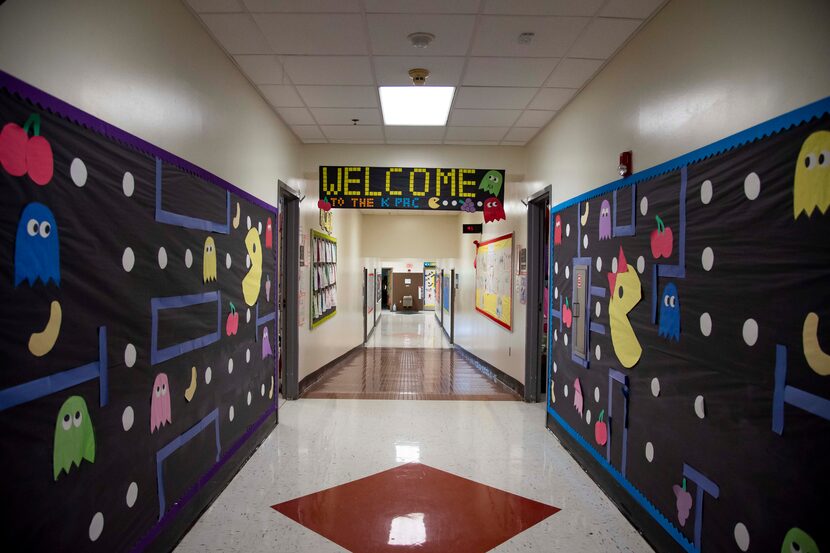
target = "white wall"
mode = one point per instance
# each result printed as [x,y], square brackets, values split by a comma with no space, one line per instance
[401,235]
[149,67]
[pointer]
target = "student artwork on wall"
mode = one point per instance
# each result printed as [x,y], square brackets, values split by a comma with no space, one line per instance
[138,333]
[323,278]
[690,353]
[494,280]
[429,287]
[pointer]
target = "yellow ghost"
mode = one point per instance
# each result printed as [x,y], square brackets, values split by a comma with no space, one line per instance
[209,260]
[811,189]
[253,280]
[625,294]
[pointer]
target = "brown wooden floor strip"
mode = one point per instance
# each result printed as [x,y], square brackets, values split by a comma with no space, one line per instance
[405,373]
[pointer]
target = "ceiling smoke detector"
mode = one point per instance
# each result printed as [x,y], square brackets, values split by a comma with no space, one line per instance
[421,40]
[418,76]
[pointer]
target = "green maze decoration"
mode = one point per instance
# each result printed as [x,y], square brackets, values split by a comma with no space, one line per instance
[138,331]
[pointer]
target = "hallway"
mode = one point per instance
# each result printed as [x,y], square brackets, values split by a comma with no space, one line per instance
[408,330]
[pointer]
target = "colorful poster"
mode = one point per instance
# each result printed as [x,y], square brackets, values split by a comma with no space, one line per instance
[494,280]
[429,287]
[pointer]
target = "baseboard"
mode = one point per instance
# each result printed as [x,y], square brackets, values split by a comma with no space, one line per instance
[374,326]
[312,378]
[492,371]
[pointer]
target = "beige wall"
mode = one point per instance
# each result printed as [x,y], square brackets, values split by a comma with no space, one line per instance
[410,236]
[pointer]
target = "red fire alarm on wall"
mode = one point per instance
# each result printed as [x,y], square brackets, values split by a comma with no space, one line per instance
[625,166]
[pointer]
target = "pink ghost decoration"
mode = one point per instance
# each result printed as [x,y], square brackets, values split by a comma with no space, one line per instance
[578,396]
[266,344]
[269,239]
[605,220]
[267,288]
[160,403]
[557,231]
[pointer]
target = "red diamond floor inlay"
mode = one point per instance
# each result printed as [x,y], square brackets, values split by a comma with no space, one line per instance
[415,507]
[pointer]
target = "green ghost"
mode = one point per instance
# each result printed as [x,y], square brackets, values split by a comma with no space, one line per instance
[798,541]
[491,182]
[74,437]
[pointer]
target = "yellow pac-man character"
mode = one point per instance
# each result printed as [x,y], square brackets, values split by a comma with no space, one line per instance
[811,189]
[253,280]
[626,292]
[209,260]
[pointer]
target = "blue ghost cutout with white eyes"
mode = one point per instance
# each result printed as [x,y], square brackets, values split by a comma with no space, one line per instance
[670,313]
[36,254]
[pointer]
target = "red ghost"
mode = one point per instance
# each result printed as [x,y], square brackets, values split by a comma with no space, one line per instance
[269,238]
[557,231]
[493,210]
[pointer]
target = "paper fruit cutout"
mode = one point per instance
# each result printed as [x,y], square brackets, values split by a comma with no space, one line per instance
[605,220]
[269,235]
[493,210]
[20,154]
[41,343]
[232,323]
[74,436]
[253,280]
[584,218]
[491,182]
[267,288]
[625,294]
[160,403]
[266,344]
[797,540]
[324,204]
[811,186]
[468,206]
[271,389]
[662,240]
[601,429]
[237,217]
[578,400]
[669,320]
[683,502]
[567,314]
[209,261]
[816,358]
[36,251]
[557,231]
[190,391]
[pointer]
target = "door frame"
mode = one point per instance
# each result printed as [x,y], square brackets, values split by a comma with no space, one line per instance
[452,306]
[535,281]
[365,305]
[291,341]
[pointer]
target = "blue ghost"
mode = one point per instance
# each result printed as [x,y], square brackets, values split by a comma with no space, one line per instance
[36,254]
[670,313]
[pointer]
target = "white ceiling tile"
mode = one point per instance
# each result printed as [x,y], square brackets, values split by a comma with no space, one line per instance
[476,133]
[543,7]
[422,6]
[552,98]
[315,141]
[508,71]
[395,132]
[353,132]
[533,118]
[339,96]
[389,141]
[236,33]
[521,133]
[207,6]
[307,131]
[279,95]
[335,70]
[499,36]
[261,69]
[388,32]
[483,117]
[638,9]
[344,116]
[493,97]
[512,143]
[303,6]
[472,142]
[339,34]
[394,70]
[572,73]
[603,37]
[296,116]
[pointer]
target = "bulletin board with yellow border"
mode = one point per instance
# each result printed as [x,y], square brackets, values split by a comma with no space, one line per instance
[494,280]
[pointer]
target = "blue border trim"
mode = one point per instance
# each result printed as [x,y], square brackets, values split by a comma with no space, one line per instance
[186,221]
[175,302]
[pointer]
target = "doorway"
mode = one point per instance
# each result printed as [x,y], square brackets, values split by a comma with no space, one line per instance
[538,235]
[289,246]
[385,283]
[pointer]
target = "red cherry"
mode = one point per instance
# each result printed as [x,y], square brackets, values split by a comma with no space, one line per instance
[39,159]
[13,142]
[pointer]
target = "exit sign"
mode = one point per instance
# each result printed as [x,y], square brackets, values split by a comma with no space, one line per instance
[471,229]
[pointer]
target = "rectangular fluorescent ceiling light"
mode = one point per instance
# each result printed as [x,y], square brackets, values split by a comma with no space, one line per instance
[416,105]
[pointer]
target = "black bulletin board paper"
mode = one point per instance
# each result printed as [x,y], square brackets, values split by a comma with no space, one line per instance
[138,331]
[357,187]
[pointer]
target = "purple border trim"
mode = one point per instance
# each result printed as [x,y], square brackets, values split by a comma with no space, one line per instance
[68,111]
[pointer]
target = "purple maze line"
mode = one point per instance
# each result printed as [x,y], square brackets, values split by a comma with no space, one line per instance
[617,376]
[783,394]
[703,485]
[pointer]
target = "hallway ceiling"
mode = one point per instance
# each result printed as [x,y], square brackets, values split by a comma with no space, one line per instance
[318,63]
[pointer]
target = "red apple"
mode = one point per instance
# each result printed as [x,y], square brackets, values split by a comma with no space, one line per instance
[324,204]
[683,502]
[39,160]
[232,324]
[13,140]
[662,240]
[269,234]
[601,429]
[567,314]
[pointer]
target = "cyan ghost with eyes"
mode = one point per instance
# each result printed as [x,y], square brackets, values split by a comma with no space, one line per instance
[36,247]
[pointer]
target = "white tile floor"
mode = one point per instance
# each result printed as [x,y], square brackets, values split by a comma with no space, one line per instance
[416,330]
[322,443]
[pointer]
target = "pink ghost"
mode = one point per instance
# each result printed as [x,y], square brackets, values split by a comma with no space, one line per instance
[578,396]
[266,344]
[160,403]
